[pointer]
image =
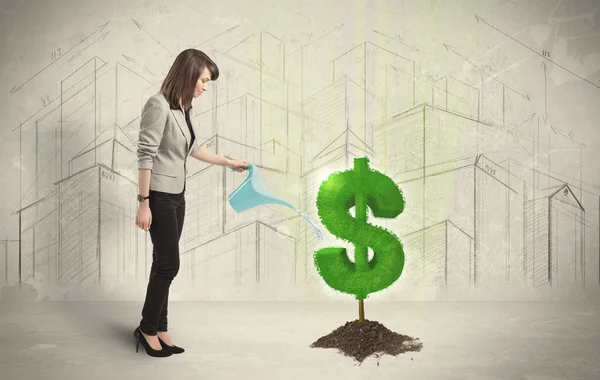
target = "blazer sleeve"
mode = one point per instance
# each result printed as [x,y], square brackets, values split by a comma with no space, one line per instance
[152,126]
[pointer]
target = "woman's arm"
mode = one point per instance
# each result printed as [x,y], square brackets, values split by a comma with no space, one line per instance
[144,184]
[205,155]
[152,126]
[143,218]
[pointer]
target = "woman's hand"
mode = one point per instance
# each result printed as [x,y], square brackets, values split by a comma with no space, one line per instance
[143,218]
[238,165]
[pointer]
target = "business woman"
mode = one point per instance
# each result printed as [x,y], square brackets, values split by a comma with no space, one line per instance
[167,138]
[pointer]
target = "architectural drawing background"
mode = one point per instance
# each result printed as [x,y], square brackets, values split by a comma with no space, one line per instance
[485,115]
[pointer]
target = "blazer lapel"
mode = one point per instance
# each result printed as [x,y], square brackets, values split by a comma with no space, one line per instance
[180,119]
[195,142]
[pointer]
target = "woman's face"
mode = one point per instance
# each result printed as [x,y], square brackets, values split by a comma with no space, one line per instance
[201,85]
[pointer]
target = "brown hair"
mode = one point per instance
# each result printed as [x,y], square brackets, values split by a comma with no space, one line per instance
[180,82]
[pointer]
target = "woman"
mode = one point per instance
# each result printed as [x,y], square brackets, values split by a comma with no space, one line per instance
[166,139]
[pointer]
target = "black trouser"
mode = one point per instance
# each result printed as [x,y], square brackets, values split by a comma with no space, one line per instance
[168,212]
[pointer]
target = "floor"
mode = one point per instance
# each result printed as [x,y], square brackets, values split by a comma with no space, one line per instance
[270,340]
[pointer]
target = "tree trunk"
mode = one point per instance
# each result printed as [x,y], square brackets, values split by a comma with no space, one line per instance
[361,311]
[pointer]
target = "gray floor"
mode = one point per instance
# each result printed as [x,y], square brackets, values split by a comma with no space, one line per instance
[468,340]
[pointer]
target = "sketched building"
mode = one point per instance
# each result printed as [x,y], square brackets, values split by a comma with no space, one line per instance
[514,240]
[78,206]
[216,241]
[435,155]
[252,254]
[448,256]
[371,83]
[335,111]
[250,101]
[554,234]
[461,244]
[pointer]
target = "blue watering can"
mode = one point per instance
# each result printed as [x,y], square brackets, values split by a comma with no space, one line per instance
[252,193]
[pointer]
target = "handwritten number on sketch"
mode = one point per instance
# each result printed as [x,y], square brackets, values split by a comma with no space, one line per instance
[490,170]
[56,53]
[108,176]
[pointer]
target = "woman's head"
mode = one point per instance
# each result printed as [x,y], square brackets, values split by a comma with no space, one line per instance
[188,77]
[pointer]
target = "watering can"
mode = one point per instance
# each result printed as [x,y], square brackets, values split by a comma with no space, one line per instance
[251,193]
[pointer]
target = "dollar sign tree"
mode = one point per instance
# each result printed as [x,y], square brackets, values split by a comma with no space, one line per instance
[360,187]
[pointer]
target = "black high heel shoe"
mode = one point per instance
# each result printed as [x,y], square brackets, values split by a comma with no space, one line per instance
[149,350]
[173,349]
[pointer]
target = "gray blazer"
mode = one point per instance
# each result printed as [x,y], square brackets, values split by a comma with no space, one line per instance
[163,145]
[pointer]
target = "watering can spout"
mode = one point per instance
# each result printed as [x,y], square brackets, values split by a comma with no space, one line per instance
[251,193]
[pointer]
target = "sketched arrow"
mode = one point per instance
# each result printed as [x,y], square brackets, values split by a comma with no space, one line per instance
[137,64]
[18,88]
[529,119]
[567,135]
[102,37]
[398,39]
[482,20]
[218,35]
[545,93]
[560,132]
[143,29]
[336,29]
[450,48]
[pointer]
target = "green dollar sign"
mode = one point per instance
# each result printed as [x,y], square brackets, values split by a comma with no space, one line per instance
[360,187]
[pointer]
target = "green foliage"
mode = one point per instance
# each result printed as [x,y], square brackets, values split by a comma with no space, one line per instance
[360,187]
